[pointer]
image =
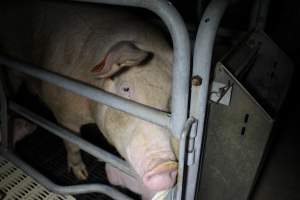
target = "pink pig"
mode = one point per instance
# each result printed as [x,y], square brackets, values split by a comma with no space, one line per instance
[118,52]
[21,128]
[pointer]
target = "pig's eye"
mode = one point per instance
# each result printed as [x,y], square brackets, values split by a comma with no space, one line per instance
[125,90]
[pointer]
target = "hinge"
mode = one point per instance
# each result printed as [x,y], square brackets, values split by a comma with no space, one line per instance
[191,145]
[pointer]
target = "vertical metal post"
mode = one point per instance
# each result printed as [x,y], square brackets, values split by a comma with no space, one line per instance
[259,14]
[200,9]
[201,70]
[182,156]
[4,118]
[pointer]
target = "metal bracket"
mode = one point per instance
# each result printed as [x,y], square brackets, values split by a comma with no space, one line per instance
[191,144]
[221,93]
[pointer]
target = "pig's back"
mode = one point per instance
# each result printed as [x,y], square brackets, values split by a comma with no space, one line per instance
[75,35]
[72,39]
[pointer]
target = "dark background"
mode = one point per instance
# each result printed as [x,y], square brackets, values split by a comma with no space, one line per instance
[281,173]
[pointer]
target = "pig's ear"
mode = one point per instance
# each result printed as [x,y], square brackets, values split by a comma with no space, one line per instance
[123,54]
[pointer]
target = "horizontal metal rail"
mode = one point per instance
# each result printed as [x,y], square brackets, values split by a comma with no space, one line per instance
[145,112]
[202,59]
[75,189]
[71,137]
[181,57]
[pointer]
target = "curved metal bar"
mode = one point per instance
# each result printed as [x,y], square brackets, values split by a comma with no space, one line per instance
[75,189]
[181,59]
[181,70]
[139,110]
[201,67]
[67,135]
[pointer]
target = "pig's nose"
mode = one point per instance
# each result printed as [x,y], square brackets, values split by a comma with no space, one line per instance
[161,177]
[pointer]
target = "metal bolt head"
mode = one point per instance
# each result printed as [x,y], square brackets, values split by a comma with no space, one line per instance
[196,80]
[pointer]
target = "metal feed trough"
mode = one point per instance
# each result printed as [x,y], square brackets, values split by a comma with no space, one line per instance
[187,120]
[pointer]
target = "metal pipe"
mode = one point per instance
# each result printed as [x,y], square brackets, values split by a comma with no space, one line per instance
[259,14]
[4,118]
[139,110]
[67,135]
[200,9]
[201,68]
[181,58]
[181,70]
[182,156]
[76,189]
[264,11]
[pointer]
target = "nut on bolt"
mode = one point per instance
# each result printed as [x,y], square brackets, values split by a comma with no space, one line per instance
[196,80]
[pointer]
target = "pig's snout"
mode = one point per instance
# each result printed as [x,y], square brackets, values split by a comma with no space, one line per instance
[161,177]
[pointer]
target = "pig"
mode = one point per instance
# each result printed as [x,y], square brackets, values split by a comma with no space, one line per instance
[20,128]
[116,51]
[119,178]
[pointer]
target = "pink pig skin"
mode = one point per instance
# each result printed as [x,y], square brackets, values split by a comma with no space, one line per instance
[113,50]
[20,129]
[116,177]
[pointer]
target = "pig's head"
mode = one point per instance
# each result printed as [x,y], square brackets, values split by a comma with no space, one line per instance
[130,71]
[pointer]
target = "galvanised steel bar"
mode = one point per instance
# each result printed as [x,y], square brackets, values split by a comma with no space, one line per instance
[259,14]
[200,8]
[201,70]
[3,117]
[181,69]
[181,58]
[139,110]
[67,135]
[182,156]
[75,189]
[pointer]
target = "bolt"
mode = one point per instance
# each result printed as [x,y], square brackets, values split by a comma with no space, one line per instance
[196,80]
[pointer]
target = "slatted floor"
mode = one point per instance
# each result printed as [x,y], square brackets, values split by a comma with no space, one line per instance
[16,185]
[46,153]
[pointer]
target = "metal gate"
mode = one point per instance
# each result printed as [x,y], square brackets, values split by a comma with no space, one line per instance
[185,123]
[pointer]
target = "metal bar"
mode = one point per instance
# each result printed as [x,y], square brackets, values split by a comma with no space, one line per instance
[201,68]
[67,135]
[200,8]
[139,110]
[76,189]
[254,15]
[4,118]
[264,11]
[181,59]
[182,156]
[259,14]
[181,70]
